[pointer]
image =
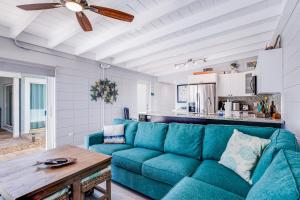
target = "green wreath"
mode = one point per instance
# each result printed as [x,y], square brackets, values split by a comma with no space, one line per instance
[106,90]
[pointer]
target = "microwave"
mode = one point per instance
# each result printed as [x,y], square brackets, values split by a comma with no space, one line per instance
[251,84]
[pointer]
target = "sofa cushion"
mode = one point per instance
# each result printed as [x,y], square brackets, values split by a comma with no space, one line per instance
[139,183]
[281,180]
[169,168]
[114,134]
[108,149]
[192,189]
[280,139]
[132,159]
[210,171]
[216,138]
[130,129]
[242,153]
[184,139]
[151,135]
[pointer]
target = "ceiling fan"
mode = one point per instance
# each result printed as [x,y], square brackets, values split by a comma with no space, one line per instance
[78,6]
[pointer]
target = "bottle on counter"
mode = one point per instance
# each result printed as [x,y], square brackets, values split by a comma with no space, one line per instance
[272,108]
[263,107]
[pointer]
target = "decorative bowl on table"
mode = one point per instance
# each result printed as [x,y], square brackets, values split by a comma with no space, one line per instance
[56,162]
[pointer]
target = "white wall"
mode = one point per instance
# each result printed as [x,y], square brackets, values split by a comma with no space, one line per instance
[291,71]
[127,86]
[76,114]
[164,95]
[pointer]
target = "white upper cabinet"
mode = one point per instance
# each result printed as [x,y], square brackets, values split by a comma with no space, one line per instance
[232,84]
[223,85]
[269,71]
[238,84]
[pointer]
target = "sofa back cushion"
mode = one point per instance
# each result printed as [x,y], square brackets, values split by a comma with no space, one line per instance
[216,138]
[130,129]
[151,135]
[281,180]
[185,139]
[280,139]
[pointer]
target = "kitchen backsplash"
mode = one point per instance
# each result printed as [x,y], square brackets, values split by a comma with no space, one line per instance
[251,100]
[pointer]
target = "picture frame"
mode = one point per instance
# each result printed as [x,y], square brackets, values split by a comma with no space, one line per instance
[182,93]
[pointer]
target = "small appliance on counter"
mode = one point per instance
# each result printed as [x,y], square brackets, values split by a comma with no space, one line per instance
[192,107]
[245,107]
[236,106]
[221,105]
[228,109]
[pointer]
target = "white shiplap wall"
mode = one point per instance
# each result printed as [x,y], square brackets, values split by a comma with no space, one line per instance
[76,114]
[291,68]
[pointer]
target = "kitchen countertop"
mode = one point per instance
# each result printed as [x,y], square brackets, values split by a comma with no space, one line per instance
[241,117]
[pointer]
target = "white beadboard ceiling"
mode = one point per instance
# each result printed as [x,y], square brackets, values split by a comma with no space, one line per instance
[163,33]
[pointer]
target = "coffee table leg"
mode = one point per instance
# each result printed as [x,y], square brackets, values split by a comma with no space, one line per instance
[108,189]
[76,189]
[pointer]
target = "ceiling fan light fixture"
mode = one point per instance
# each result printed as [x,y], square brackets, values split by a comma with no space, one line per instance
[73,6]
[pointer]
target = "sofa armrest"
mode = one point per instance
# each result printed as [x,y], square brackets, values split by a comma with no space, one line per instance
[280,139]
[94,138]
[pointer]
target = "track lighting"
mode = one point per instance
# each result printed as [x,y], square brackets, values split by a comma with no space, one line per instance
[189,62]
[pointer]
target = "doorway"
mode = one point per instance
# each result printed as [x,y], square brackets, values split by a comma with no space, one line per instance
[143,96]
[8,107]
[37,106]
[28,112]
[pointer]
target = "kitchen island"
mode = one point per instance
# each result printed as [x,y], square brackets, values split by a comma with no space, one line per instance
[248,120]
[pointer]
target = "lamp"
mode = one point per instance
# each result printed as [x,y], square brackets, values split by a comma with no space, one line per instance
[74,6]
[190,61]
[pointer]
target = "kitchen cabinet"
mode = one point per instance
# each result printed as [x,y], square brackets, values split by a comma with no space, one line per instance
[269,71]
[223,85]
[232,84]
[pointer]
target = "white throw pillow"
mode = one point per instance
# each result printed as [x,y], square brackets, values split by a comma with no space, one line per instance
[242,153]
[114,134]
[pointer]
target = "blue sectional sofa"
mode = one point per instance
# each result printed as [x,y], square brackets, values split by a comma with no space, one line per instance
[181,160]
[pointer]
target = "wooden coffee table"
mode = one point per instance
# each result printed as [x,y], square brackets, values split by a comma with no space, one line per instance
[20,180]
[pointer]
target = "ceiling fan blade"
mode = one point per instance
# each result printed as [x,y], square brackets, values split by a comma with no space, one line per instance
[84,21]
[40,6]
[108,12]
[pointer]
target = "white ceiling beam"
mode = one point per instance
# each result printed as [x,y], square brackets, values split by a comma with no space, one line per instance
[223,9]
[201,44]
[32,39]
[207,52]
[68,32]
[23,23]
[236,57]
[153,52]
[140,20]
[217,55]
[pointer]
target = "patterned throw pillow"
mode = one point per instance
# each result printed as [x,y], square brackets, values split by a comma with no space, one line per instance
[242,153]
[114,134]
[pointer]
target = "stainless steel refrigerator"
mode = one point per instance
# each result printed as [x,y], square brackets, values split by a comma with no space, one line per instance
[202,98]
